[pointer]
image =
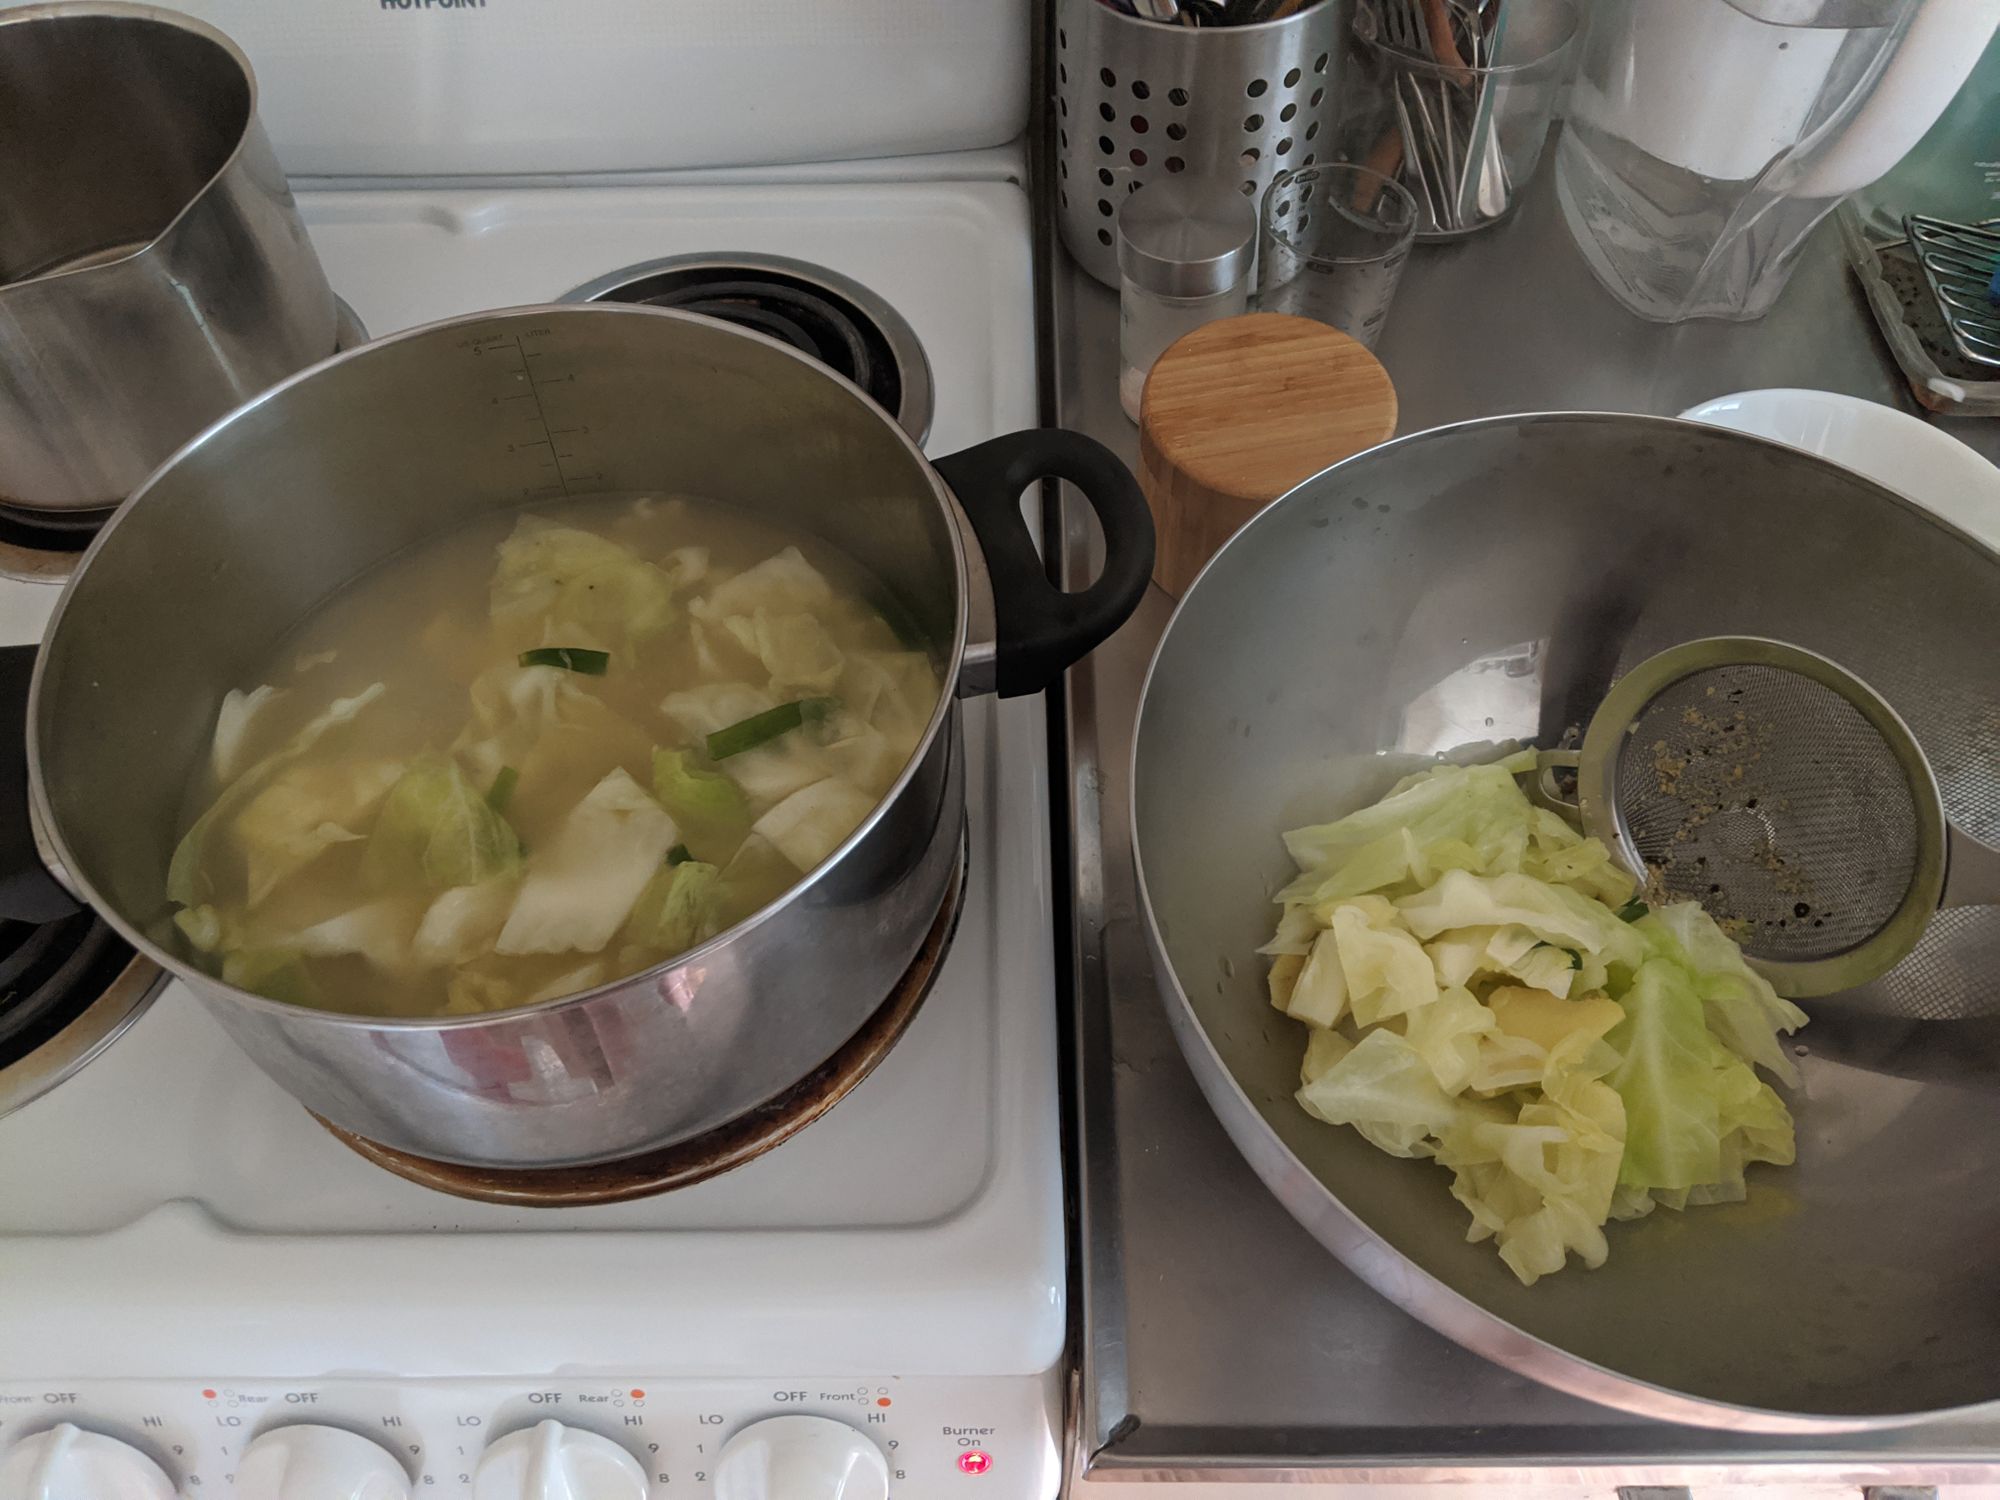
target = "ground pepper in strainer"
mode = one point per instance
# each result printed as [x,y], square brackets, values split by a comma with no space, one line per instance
[1785,796]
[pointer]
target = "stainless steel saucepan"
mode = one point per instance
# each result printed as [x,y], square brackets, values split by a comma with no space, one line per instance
[249,527]
[153,269]
[1481,586]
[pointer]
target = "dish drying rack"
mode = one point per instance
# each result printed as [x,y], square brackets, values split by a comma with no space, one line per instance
[1961,265]
[1895,284]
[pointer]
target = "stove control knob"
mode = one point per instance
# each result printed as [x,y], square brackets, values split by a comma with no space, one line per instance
[552,1462]
[308,1462]
[800,1458]
[67,1463]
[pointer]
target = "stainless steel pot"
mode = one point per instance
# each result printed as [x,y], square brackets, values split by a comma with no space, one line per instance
[153,270]
[230,544]
[1484,584]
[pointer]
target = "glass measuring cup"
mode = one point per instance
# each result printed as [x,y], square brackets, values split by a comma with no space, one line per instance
[1334,242]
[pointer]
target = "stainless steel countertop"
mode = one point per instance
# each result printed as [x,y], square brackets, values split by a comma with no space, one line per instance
[1218,1340]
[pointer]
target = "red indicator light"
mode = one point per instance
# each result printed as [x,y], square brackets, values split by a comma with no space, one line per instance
[209,1394]
[638,1395]
[881,1400]
[975,1461]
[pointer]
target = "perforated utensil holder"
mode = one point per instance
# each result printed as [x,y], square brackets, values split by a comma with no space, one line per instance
[1232,104]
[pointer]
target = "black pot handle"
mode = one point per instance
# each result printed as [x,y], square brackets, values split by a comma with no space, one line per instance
[28,892]
[1042,631]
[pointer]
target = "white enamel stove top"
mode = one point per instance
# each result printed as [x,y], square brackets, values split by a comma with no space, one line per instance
[187,1261]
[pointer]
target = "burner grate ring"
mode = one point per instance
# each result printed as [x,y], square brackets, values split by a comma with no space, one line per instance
[836,320]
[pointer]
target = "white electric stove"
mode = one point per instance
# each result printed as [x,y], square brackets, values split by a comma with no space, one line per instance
[191,1266]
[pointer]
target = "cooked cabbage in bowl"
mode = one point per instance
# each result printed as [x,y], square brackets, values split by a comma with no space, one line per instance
[1485,987]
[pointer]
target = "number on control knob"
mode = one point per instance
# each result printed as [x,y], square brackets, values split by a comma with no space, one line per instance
[309,1462]
[67,1463]
[800,1458]
[553,1462]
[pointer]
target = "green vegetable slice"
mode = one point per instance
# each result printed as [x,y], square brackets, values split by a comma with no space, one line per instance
[569,658]
[1632,910]
[501,792]
[277,973]
[565,577]
[436,830]
[188,883]
[1546,966]
[581,884]
[202,926]
[761,729]
[1667,1080]
[679,908]
[709,809]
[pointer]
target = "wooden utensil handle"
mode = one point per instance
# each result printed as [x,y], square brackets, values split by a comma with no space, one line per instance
[1437,22]
[1386,157]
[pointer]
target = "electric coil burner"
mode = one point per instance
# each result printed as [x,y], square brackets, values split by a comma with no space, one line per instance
[836,320]
[66,989]
[68,983]
[37,545]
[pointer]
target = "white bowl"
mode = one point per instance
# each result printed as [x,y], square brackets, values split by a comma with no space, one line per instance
[1896,450]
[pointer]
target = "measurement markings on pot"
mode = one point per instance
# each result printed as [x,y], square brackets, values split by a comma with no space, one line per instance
[552,444]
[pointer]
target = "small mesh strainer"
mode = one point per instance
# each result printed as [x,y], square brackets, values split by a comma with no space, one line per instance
[1785,796]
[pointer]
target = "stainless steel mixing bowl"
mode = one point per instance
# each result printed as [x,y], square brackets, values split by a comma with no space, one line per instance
[1483,584]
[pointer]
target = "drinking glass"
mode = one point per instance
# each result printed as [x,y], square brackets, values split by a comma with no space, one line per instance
[1332,246]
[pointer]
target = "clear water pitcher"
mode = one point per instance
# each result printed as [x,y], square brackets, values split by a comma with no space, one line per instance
[1706,138]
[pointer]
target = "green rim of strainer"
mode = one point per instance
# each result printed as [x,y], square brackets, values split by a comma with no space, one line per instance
[1616,717]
